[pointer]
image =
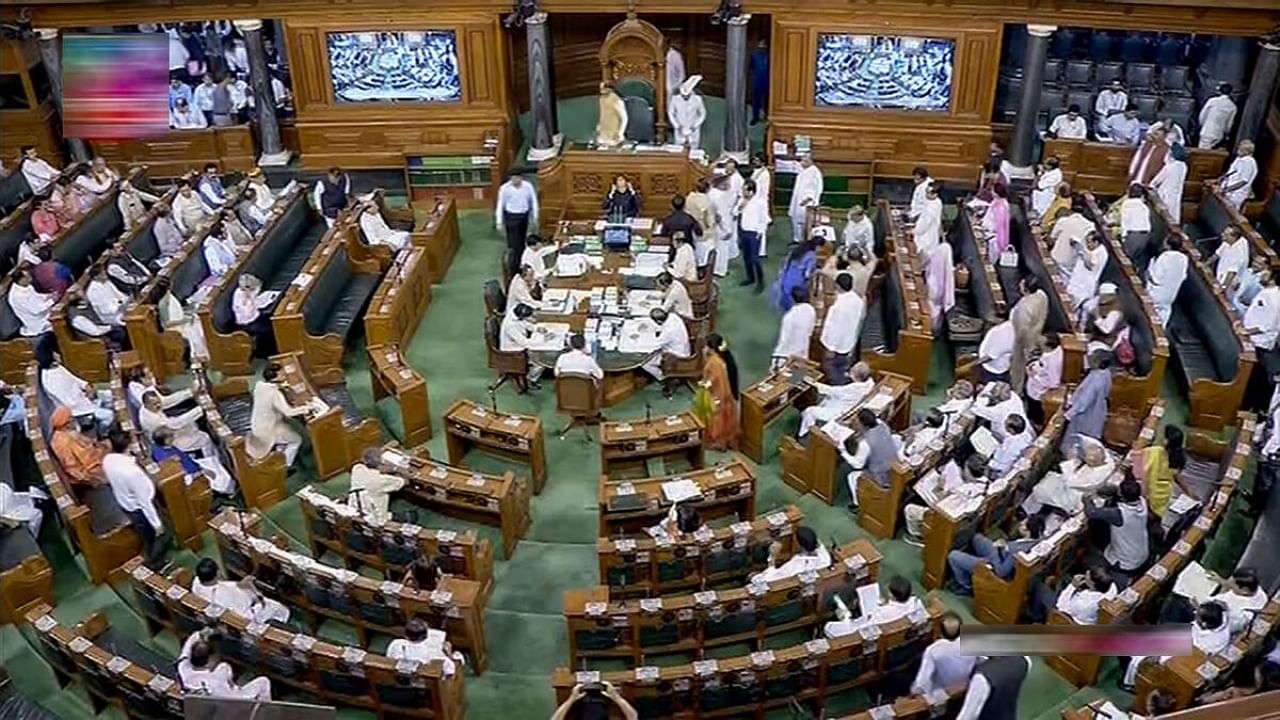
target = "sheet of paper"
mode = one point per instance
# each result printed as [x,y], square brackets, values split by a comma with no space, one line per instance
[984,442]
[549,337]
[837,432]
[878,402]
[1183,503]
[868,598]
[1195,583]
[681,490]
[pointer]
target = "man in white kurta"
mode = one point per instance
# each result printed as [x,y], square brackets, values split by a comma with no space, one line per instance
[19,508]
[1111,101]
[1046,187]
[377,232]
[1262,318]
[684,266]
[371,489]
[806,193]
[1165,276]
[687,112]
[1091,258]
[836,400]
[1170,181]
[942,665]
[927,231]
[764,182]
[269,421]
[611,127]
[69,390]
[795,333]
[1070,125]
[241,598]
[1216,118]
[673,339]
[424,645]
[859,232]
[919,193]
[31,306]
[1076,476]
[725,207]
[576,360]
[186,435]
[108,302]
[1231,258]
[38,173]
[1237,184]
[995,352]
[199,675]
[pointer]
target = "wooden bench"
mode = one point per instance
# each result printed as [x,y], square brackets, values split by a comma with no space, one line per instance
[324,592]
[468,426]
[1214,353]
[325,301]
[1036,260]
[1266,224]
[500,500]
[627,507]
[284,246]
[749,686]
[1103,168]
[1132,391]
[393,546]
[896,330]
[26,580]
[85,653]
[605,627]
[944,531]
[644,565]
[812,466]
[98,529]
[338,674]
[187,503]
[1001,602]
[768,399]
[990,284]
[942,702]
[173,152]
[629,446]
[227,408]
[401,299]
[16,206]
[338,435]
[438,233]
[391,375]
[1214,214]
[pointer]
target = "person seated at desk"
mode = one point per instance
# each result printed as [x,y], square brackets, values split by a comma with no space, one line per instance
[220,481]
[79,455]
[45,222]
[165,230]
[1084,468]
[184,431]
[31,306]
[377,231]
[810,556]
[680,220]
[514,335]
[106,299]
[681,522]
[622,202]
[1070,125]
[422,574]
[996,403]
[970,481]
[247,304]
[870,452]
[902,603]
[263,195]
[210,189]
[50,275]
[836,400]
[1231,259]
[424,644]
[1265,678]
[20,509]
[220,251]
[241,598]
[595,702]
[1016,437]
[137,385]
[942,665]
[534,256]
[268,421]
[185,117]
[675,297]
[1241,595]
[796,329]
[673,339]
[199,674]
[38,173]
[253,217]
[175,316]
[371,489]
[1110,102]
[576,360]
[997,554]
[188,211]
[1210,634]
[98,180]
[126,271]
[1125,513]
[683,265]
[917,438]
[1104,321]
[1124,128]
[69,390]
[1079,600]
[520,289]
[1066,233]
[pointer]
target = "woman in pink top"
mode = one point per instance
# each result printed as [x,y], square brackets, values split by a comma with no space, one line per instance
[45,221]
[1043,375]
[997,222]
[940,277]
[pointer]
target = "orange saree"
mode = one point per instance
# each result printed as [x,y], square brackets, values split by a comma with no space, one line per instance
[717,407]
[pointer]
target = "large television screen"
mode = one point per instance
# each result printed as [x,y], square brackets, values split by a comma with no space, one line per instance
[884,72]
[395,66]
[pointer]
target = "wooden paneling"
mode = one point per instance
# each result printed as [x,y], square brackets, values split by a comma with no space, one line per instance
[1103,168]
[178,151]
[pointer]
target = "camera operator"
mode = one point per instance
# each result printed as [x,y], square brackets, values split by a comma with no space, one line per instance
[593,701]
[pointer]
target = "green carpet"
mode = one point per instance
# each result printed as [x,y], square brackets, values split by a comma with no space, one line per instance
[527,637]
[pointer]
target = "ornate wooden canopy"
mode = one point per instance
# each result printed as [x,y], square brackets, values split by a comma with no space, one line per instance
[634,49]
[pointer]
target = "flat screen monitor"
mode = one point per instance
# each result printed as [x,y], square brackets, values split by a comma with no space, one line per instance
[884,72]
[617,235]
[395,66]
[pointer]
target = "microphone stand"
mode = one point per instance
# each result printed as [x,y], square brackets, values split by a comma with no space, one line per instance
[493,400]
[648,412]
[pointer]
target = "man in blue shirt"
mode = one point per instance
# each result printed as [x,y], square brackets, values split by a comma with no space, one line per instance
[179,90]
[758,67]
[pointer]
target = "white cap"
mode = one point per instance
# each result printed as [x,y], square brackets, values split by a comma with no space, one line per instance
[689,84]
[1107,289]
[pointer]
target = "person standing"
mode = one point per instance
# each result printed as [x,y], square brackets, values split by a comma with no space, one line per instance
[135,493]
[1028,317]
[516,209]
[758,69]
[1165,276]
[1086,409]
[840,331]
[716,402]
[806,193]
[1046,187]
[725,208]
[1168,183]
[764,188]
[1237,184]
[994,688]
[1216,118]
[796,329]
[371,488]
[698,204]
[687,112]
[753,223]
[927,231]
[331,194]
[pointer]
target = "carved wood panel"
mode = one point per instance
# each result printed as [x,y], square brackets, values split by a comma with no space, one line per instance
[789,70]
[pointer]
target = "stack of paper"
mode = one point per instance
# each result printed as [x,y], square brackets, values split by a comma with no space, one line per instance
[837,432]
[549,337]
[1195,583]
[681,490]
[878,402]
[638,335]
[983,442]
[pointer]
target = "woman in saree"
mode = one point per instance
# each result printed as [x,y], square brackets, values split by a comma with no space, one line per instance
[1061,201]
[796,271]
[996,222]
[940,277]
[716,402]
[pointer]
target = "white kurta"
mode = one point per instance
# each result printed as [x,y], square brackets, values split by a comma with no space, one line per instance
[1231,258]
[835,400]
[795,565]
[370,492]
[1168,184]
[429,649]
[39,174]
[1164,279]
[132,488]
[687,115]
[861,234]
[108,302]
[1083,284]
[32,308]
[1067,129]
[1243,171]
[1262,318]
[919,195]
[240,601]
[67,389]
[673,339]
[1066,488]
[928,228]
[1046,190]
[795,332]
[269,424]
[186,436]
[378,232]
[1216,118]
[806,193]
[725,207]
[675,71]
[997,348]
[684,266]
[843,323]
[764,183]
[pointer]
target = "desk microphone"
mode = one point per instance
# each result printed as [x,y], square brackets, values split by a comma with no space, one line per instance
[493,399]
[648,412]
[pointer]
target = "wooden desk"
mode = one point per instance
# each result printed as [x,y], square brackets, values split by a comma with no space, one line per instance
[649,566]
[392,546]
[628,507]
[25,585]
[1104,167]
[500,500]
[392,375]
[368,604]
[438,233]
[601,627]
[812,467]
[913,354]
[768,399]
[176,151]
[626,445]
[470,426]
[397,306]
[296,661]
[337,439]
[573,184]
[942,702]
